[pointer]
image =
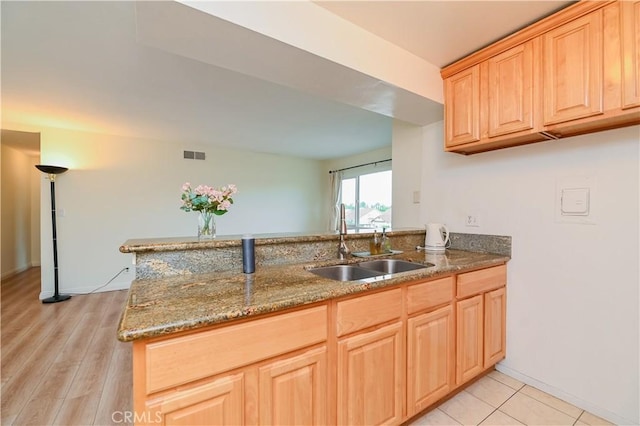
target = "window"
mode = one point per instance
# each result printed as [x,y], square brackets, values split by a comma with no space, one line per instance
[367,200]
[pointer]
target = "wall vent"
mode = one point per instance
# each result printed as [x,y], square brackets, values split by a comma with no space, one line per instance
[194,155]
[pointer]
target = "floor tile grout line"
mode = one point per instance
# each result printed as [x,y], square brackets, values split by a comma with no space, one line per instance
[578,418]
[514,394]
[515,389]
[445,413]
[550,406]
[498,407]
[490,414]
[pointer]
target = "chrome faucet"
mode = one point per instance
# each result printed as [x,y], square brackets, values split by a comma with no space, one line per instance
[343,250]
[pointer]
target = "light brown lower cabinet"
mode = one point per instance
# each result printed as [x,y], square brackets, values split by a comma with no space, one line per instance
[293,391]
[220,401]
[378,358]
[430,354]
[469,362]
[495,340]
[370,377]
[480,322]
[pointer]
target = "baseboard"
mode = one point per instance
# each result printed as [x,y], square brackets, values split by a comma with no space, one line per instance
[86,290]
[558,393]
[13,272]
[35,264]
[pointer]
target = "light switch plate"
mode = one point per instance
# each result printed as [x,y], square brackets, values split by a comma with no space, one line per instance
[575,202]
[577,199]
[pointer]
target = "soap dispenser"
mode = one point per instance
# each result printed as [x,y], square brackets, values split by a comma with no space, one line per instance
[375,245]
[385,242]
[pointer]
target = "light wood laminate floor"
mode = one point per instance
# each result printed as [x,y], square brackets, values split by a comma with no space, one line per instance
[62,365]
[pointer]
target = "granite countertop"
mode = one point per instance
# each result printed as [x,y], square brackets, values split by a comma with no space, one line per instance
[185,243]
[158,307]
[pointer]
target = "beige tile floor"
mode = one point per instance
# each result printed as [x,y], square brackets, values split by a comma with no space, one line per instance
[498,399]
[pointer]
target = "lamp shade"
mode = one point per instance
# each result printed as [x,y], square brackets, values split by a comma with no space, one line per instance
[52,170]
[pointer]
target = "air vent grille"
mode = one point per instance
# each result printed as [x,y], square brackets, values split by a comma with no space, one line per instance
[194,155]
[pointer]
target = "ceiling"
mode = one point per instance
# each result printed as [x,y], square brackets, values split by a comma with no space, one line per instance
[443,31]
[79,65]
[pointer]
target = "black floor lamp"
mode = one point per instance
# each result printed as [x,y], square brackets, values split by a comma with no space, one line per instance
[52,171]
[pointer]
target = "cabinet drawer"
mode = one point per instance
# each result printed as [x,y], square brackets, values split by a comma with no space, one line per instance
[184,359]
[366,311]
[476,282]
[430,294]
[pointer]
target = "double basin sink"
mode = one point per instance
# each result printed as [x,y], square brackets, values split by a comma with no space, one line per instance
[367,269]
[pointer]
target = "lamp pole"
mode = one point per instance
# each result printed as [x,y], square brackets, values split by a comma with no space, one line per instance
[51,172]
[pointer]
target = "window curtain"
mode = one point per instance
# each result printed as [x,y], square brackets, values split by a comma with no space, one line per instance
[336,189]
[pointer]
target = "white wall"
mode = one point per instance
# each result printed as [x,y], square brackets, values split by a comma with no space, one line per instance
[573,289]
[407,178]
[19,180]
[356,160]
[120,188]
[34,210]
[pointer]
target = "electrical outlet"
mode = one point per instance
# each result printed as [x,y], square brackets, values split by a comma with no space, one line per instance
[472,219]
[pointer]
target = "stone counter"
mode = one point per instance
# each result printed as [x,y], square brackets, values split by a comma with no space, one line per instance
[161,306]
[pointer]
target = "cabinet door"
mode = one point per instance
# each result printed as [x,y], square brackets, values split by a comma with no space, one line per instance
[630,13]
[462,107]
[572,64]
[430,362]
[469,338]
[371,377]
[220,402]
[294,391]
[511,90]
[495,304]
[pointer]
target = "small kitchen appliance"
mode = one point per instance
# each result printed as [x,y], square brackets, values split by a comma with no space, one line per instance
[437,237]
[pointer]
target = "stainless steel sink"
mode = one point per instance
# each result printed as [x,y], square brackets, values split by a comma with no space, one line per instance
[392,266]
[344,272]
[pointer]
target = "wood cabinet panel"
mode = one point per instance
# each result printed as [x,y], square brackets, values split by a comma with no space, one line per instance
[429,295]
[572,63]
[574,72]
[219,402]
[370,377]
[462,107]
[512,99]
[495,308]
[367,311]
[469,338]
[430,358]
[401,350]
[184,359]
[630,21]
[293,391]
[477,282]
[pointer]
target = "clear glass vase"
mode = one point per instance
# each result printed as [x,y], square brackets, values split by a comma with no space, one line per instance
[206,226]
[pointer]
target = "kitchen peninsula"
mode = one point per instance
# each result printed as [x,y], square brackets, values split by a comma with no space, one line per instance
[282,345]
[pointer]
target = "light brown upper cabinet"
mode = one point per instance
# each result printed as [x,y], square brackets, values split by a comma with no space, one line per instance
[574,72]
[462,107]
[511,100]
